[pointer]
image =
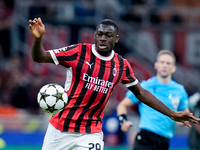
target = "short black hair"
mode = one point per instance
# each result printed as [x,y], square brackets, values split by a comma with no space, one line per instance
[109,22]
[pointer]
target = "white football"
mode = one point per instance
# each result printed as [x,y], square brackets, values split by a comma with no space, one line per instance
[52,98]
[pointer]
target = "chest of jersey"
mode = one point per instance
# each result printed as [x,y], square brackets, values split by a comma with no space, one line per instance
[97,75]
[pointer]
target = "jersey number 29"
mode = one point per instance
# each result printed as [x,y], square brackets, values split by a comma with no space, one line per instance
[97,146]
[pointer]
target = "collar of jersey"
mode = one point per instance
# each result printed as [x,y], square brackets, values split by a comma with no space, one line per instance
[100,56]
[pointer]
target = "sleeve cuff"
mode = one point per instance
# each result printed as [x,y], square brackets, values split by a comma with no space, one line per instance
[54,57]
[131,84]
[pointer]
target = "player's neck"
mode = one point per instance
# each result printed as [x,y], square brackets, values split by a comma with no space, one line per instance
[164,80]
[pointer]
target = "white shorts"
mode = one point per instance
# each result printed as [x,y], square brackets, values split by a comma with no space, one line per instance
[57,140]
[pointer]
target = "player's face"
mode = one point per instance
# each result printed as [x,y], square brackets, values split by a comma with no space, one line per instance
[165,66]
[105,38]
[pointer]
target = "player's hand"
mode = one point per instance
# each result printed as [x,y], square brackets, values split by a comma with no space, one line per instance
[37,27]
[185,118]
[126,126]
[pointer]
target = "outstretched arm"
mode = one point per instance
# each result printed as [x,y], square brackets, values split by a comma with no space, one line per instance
[149,99]
[37,28]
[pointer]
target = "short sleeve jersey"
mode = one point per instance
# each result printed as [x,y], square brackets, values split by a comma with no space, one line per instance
[173,95]
[91,79]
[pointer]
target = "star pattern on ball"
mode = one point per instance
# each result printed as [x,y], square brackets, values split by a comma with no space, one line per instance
[58,95]
[51,109]
[43,96]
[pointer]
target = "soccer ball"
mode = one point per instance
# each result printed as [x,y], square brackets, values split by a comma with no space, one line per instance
[52,98]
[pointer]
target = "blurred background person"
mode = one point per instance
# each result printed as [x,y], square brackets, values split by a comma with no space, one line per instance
[156,129]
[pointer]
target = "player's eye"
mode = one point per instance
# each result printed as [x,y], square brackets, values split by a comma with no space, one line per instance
[109,35]
[99,34]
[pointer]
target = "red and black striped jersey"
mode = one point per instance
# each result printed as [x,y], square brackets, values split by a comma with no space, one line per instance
[91,79]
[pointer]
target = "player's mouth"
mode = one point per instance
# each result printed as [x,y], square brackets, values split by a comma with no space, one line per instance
[102,46]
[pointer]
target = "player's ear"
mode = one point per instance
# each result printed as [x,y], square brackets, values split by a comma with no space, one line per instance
[117,39]
[174,69]
[155,65]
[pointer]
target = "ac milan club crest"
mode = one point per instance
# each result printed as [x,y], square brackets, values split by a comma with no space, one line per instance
[114,71]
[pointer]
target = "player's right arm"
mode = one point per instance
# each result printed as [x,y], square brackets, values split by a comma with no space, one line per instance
[122,111]
[37,28]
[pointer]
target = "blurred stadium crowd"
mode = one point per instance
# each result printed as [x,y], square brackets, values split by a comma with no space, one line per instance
[146,26]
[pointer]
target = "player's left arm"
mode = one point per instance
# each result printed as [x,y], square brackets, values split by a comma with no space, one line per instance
[149,99]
